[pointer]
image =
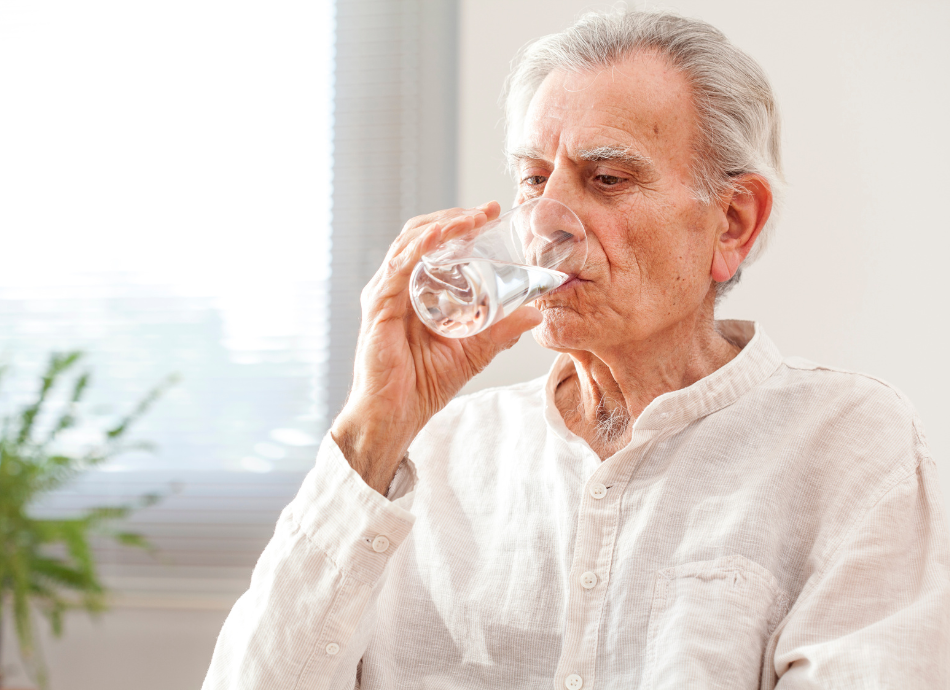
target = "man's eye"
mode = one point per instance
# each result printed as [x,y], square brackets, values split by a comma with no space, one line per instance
[533,180]
[609,180]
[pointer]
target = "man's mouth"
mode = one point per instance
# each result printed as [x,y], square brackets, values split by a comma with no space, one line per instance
[567,285]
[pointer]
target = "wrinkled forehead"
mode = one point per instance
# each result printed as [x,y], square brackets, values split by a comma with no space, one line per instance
[642,104]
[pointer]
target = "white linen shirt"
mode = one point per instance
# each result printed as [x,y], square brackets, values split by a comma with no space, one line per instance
[775,524]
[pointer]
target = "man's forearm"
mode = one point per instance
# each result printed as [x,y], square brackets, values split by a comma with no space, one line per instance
[373,445]
[309,613]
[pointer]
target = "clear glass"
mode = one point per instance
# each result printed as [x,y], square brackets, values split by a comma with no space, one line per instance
[469,283]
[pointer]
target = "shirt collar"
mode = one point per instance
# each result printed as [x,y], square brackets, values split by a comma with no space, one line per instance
[757,361]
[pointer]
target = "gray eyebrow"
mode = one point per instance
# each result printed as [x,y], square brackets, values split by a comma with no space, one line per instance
[521,153]
[619,154]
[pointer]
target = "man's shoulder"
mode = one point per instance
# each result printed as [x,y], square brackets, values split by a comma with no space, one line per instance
[849,405]
[835,382]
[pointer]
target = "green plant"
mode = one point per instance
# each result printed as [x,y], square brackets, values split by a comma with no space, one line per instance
[47,565]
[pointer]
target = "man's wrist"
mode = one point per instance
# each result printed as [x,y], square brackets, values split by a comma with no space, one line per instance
[374,450]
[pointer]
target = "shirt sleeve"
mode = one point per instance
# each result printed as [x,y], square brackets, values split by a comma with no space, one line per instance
[307,617]
[879,615]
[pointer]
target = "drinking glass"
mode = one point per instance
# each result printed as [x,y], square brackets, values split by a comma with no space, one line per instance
[471,282]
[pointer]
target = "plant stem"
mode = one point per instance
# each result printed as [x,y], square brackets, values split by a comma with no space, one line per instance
[1,639]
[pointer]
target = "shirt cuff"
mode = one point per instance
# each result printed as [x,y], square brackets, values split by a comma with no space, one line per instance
[358,528]
[404,482]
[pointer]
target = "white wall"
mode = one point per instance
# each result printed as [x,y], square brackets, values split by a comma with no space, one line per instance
[856,276]
[128,648]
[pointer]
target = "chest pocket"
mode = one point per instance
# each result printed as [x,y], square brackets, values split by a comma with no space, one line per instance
[710,623]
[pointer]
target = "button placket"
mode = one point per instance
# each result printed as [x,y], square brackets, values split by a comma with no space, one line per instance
[592,553]
[598,522]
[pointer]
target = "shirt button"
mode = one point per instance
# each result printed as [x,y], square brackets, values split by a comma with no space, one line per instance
[588,581]
[333,648]
[573,682]
[598,491]
[380,544]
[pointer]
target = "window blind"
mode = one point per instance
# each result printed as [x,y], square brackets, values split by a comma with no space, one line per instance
[394,143]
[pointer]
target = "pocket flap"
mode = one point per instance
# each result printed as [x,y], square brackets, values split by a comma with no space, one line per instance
[710,623]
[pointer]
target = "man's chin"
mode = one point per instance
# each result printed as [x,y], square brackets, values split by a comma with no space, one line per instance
[561,330]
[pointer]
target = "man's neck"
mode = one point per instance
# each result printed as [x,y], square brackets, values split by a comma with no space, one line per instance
[606,391]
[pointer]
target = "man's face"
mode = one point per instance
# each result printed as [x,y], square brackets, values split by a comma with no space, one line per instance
[616,146]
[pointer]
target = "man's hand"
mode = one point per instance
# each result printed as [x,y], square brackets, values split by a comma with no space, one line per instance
[404,373]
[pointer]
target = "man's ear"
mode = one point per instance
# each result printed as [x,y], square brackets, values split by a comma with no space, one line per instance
[746,209]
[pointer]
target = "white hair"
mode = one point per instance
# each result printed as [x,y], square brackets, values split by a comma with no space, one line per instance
[739,127]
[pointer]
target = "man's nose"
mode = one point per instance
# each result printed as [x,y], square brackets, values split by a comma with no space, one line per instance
[558,237]
[556,223]
[563,187]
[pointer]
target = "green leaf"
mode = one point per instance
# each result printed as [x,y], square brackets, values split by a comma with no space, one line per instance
[133,539]
[50,574]
[55,615]
[68,419]
[80,386]
[47,566]
[102,513]
[59,363]
[143,406]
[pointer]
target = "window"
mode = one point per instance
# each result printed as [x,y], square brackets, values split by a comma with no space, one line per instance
[175,198]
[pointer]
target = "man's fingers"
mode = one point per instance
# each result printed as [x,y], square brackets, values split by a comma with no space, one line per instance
[482,348]
[392,279]
[403,263]
[448,214]
[480,216]
[429,218]
[420,236]
[407,237]
[509,329]
[492,209]
[406,244]
[448,220]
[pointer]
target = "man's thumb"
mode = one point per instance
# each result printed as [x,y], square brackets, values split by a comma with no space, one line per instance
[507,331]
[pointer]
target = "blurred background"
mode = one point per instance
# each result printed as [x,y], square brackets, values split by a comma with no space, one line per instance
[203,188]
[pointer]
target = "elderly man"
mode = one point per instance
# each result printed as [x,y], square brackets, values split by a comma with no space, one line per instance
[675,505]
